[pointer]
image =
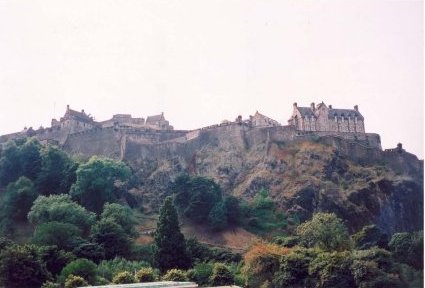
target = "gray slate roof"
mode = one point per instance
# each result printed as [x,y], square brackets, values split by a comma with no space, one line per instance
[344,113]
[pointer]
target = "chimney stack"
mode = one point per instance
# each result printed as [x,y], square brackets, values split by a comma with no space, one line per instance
[330,106]
[295,104]
[313,107]
[356,107]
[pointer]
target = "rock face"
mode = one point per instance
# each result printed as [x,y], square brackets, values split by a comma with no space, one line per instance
[304,173]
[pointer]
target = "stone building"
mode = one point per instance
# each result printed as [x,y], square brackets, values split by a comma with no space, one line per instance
[158,122]
[123,120]
[327,118]
[74,121]
[260,120]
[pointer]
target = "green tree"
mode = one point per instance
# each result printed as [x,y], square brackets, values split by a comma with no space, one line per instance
[96,182]
[30,156]
[170,247]
[196,196]
[20,266]
[18,199]
[60,208]
[80,267]
[112,238]
[326,231]
[122,215]
[232,209]
[217,216]
[63,235]
[54,258]
[57,172]
[370,236]
[10,164]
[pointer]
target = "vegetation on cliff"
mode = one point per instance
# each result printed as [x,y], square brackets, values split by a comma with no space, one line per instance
[322,220]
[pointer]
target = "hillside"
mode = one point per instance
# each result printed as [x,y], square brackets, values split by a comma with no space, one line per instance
[303,173]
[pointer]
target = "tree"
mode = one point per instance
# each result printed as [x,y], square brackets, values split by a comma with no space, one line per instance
[122,215]
[326,231]
[232,209]
[63,235]
[370,236]
[408,248]
[96,182]
[217,217]
[30,156]
[170,247]
[18,199]
[60,208]
[10,164]
[196,196]
[80,267]
[54,258]
[57,172]
[112,238]
[20,266]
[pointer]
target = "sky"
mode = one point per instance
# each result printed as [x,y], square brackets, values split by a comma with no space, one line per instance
[201,62]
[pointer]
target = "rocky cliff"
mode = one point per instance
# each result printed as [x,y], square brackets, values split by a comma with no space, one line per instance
[303,173]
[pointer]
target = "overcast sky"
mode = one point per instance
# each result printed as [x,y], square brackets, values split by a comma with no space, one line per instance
[200,62]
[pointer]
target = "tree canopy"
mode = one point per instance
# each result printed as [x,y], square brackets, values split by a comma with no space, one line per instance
[96,182]
[170,246]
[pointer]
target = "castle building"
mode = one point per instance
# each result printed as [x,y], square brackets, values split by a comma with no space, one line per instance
[327,118]
[158,121]
[75,121]
[260,120]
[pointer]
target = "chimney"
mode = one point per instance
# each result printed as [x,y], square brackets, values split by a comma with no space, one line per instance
[313,107]
[356,107]
[82,111]
[295,104]
[67,107]
[330,106]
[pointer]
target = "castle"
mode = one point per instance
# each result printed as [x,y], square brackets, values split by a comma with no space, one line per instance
[313,121]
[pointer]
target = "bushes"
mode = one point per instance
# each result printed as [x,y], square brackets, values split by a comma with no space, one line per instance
[408,248]
[80,267]
[175,275]
[221,275]
[107,269]
[73,281]
[124,277]
[146,275]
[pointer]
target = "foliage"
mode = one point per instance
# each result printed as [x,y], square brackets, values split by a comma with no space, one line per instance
[89,250]
[221,275]
[60,208]
[54,258]
[80,267]
[63,235]
[57,172]
[294,266]
[112,237]
[261,215]
[50,284]
[287,241]
[408,248]
[370,236]
[332,269]
[21,266]
[146,274]
[18,199]
[262,262]
[217,217]
[232,210]
[73,281]
[175,275]
[196,196]
[108,268]
[124,277]
[199,252]
[122,215]
[96,182]
[326,231]
[201,273]
[170,247]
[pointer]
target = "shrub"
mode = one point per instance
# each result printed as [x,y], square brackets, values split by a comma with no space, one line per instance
[201,273]
[370,236]
[80,267]
[408,248]
[175,275]
[262,262]
[73,281]
[108,268]
[146,274]
[221,275]
[50,284]
[124,277]
[326,231]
